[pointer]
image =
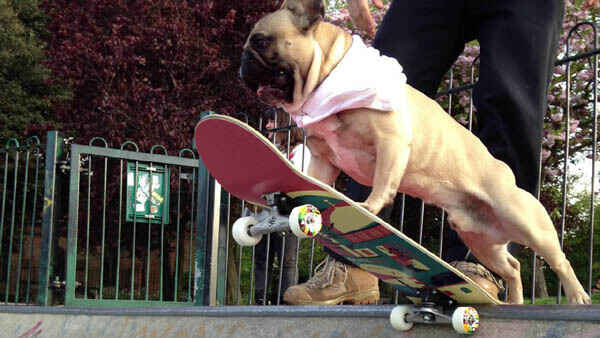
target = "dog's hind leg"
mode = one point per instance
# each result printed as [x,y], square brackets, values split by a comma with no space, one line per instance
[475,226]
[525,221]
[496,257]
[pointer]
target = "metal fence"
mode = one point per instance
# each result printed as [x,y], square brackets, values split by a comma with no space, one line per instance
[94,225]
[131,225]
[97,226]
[20,221]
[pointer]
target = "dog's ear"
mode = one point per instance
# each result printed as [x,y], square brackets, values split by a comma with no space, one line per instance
[306,12]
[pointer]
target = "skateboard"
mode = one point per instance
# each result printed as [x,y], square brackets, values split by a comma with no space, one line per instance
[249,167]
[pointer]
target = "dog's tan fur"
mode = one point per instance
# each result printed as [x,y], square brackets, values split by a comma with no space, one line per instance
[420,151]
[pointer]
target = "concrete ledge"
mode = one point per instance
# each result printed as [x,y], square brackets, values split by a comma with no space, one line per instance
[285,321]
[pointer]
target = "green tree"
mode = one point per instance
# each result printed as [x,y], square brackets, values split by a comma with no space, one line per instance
[25,93]
[578,236]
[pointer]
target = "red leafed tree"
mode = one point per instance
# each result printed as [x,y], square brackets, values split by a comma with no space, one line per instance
[144,70]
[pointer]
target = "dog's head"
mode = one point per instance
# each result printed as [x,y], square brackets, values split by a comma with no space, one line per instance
[279,52]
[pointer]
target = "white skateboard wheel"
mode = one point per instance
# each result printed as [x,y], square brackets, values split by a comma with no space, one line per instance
[305,221]
[240,231]
[398,318]
[465,320]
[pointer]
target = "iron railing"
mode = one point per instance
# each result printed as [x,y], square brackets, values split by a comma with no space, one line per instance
[20,222]
[131,226]
[111,255]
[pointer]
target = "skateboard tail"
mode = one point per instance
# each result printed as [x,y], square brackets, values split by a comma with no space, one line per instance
[243,161]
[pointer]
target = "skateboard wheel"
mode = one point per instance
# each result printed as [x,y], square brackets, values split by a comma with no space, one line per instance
[465,320]
[240,231]
[398,318]
[305,221]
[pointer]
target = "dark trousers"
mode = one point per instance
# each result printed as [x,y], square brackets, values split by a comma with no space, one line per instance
[262,269]
[518,41]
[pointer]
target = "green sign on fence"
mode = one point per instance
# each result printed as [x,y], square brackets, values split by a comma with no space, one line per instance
[147,193]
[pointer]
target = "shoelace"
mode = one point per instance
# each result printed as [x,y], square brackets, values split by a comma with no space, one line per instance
[325,272]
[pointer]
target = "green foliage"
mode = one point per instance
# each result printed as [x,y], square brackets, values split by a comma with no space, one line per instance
[25,95]
[563,300]
[578,238]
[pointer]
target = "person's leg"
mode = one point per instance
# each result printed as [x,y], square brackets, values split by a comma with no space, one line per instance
[260,258]
[289,274]
[518,42]
[426,37]
[262,277]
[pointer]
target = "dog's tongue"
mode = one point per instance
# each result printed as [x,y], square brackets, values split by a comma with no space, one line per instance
[270,94]
[260,90]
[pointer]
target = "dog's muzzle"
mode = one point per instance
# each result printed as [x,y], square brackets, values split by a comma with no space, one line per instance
[273,85]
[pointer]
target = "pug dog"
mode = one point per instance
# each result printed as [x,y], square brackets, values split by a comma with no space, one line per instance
[362,118]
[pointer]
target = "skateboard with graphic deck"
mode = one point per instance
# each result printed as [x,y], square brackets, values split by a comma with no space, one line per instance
[249,167]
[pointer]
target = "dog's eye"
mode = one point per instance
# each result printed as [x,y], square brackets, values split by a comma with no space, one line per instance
[261,43]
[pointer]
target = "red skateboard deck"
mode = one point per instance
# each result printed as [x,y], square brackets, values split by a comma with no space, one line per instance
[248,166]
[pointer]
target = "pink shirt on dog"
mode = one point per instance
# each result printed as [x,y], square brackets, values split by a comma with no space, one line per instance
[362,79]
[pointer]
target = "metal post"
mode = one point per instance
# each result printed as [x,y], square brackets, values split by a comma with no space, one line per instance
[53,181]
[222,251]
[204,217]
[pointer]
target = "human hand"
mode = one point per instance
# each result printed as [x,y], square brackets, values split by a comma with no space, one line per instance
[361,14]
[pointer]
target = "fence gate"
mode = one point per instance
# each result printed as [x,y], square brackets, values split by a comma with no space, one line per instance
[131,226]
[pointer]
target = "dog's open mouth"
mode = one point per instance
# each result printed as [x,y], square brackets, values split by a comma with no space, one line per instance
[278,91]
[269,92]
[273,86]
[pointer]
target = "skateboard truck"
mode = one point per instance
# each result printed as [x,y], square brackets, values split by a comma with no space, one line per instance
[304,221]
[434,310]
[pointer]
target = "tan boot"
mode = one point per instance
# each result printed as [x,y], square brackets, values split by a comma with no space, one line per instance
[334,283]
[480,275]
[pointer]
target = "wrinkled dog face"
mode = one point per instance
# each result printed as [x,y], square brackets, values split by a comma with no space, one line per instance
[279,50]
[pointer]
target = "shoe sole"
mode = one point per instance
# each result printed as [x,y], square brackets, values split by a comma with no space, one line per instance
[357,298]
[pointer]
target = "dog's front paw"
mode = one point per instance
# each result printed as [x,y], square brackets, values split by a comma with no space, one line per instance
[377,200]
[369,206]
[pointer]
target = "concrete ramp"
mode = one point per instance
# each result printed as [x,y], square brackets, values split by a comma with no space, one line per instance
[285,321]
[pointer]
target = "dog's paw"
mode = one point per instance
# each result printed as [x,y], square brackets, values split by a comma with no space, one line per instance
[580,297]
[370,207]
[364,206]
